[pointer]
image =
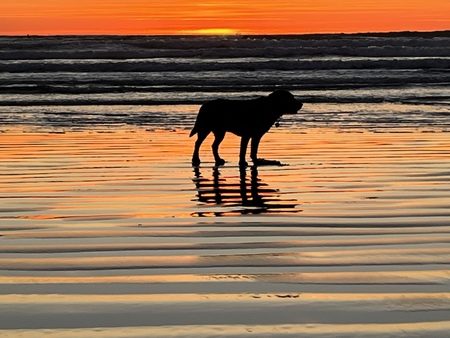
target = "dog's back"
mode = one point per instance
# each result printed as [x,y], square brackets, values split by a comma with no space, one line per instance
[240,117]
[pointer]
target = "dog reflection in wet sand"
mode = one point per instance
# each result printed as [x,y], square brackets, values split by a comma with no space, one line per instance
[241,197]
[249,119]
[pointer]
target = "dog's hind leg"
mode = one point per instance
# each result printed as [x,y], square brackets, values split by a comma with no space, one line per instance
[200,138]
[219,135]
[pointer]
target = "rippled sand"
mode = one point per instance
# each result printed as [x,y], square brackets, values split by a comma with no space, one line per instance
[112,233]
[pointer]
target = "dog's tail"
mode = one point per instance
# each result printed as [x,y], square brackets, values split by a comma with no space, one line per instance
[193,131]
[199,116]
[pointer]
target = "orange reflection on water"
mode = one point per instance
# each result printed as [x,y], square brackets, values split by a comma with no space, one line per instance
[140,175]
[87,213]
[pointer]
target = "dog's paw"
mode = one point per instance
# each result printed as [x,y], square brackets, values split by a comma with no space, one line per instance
[243,163]
[220,161]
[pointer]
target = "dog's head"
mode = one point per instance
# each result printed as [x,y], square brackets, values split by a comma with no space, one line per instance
[284,102]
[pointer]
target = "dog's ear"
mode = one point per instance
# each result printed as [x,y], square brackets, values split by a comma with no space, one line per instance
[284,102]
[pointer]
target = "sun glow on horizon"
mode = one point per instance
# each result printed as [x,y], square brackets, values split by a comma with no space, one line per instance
[219,17]
[212,31]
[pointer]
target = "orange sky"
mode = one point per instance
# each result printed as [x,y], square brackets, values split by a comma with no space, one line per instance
[220,16]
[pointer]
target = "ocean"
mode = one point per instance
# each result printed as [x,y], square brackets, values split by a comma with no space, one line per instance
[378,81]
[106,229]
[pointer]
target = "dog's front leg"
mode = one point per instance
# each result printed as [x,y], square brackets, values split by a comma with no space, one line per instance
[244,144]
[254,150]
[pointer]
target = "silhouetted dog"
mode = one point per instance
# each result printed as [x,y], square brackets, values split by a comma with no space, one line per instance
[250,119]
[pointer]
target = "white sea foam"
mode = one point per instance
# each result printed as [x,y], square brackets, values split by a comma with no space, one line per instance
[78,79]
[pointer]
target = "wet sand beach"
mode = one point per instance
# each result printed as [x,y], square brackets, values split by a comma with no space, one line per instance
[111,233]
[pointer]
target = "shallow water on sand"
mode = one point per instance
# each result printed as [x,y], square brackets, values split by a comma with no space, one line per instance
[111,232]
